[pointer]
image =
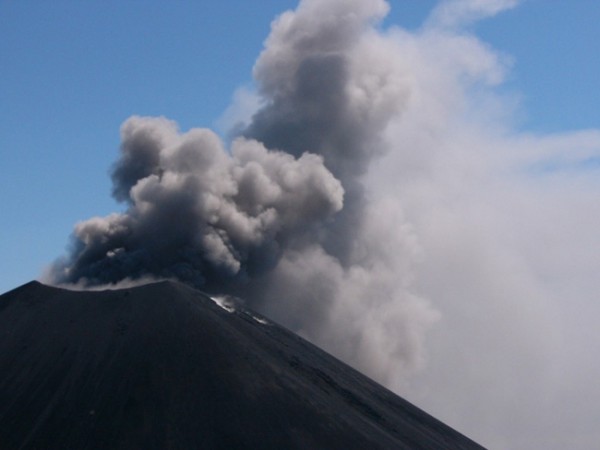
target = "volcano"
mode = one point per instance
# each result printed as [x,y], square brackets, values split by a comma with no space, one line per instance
[163,366]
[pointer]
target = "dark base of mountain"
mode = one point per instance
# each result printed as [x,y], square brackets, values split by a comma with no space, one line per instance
[162,366]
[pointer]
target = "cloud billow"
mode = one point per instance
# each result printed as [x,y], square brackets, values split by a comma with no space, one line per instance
[198,213]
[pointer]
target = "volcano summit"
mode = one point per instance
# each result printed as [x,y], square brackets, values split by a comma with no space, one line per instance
[164,366]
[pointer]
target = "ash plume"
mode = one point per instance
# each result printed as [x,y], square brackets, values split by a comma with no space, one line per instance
[378,168]
[198,213]
[282,218]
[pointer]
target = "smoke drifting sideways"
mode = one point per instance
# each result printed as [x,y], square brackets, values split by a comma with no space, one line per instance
[281,219]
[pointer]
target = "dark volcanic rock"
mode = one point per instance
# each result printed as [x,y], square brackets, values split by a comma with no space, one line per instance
[163,367]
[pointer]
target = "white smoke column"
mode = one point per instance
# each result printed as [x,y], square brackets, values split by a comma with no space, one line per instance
[329,82]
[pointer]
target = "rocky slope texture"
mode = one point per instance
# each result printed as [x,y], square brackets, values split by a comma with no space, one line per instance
[162,366]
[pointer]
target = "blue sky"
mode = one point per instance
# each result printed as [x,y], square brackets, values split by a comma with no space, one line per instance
[72,72]
[501,197]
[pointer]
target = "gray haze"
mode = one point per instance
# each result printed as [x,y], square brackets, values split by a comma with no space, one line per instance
[378,201]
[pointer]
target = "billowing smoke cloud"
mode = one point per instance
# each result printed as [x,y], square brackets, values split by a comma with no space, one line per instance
[282,218]
[198,213]
[377,189]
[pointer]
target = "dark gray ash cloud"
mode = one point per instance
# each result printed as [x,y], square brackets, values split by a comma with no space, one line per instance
[198,213]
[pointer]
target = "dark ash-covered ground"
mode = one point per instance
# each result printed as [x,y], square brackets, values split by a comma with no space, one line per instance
[162,366]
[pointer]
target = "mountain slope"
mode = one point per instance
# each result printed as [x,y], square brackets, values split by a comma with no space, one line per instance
[162,366]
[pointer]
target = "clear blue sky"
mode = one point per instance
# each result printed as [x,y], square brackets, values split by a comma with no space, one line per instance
[71,72]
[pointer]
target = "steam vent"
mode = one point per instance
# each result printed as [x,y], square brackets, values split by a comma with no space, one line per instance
[162,366]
